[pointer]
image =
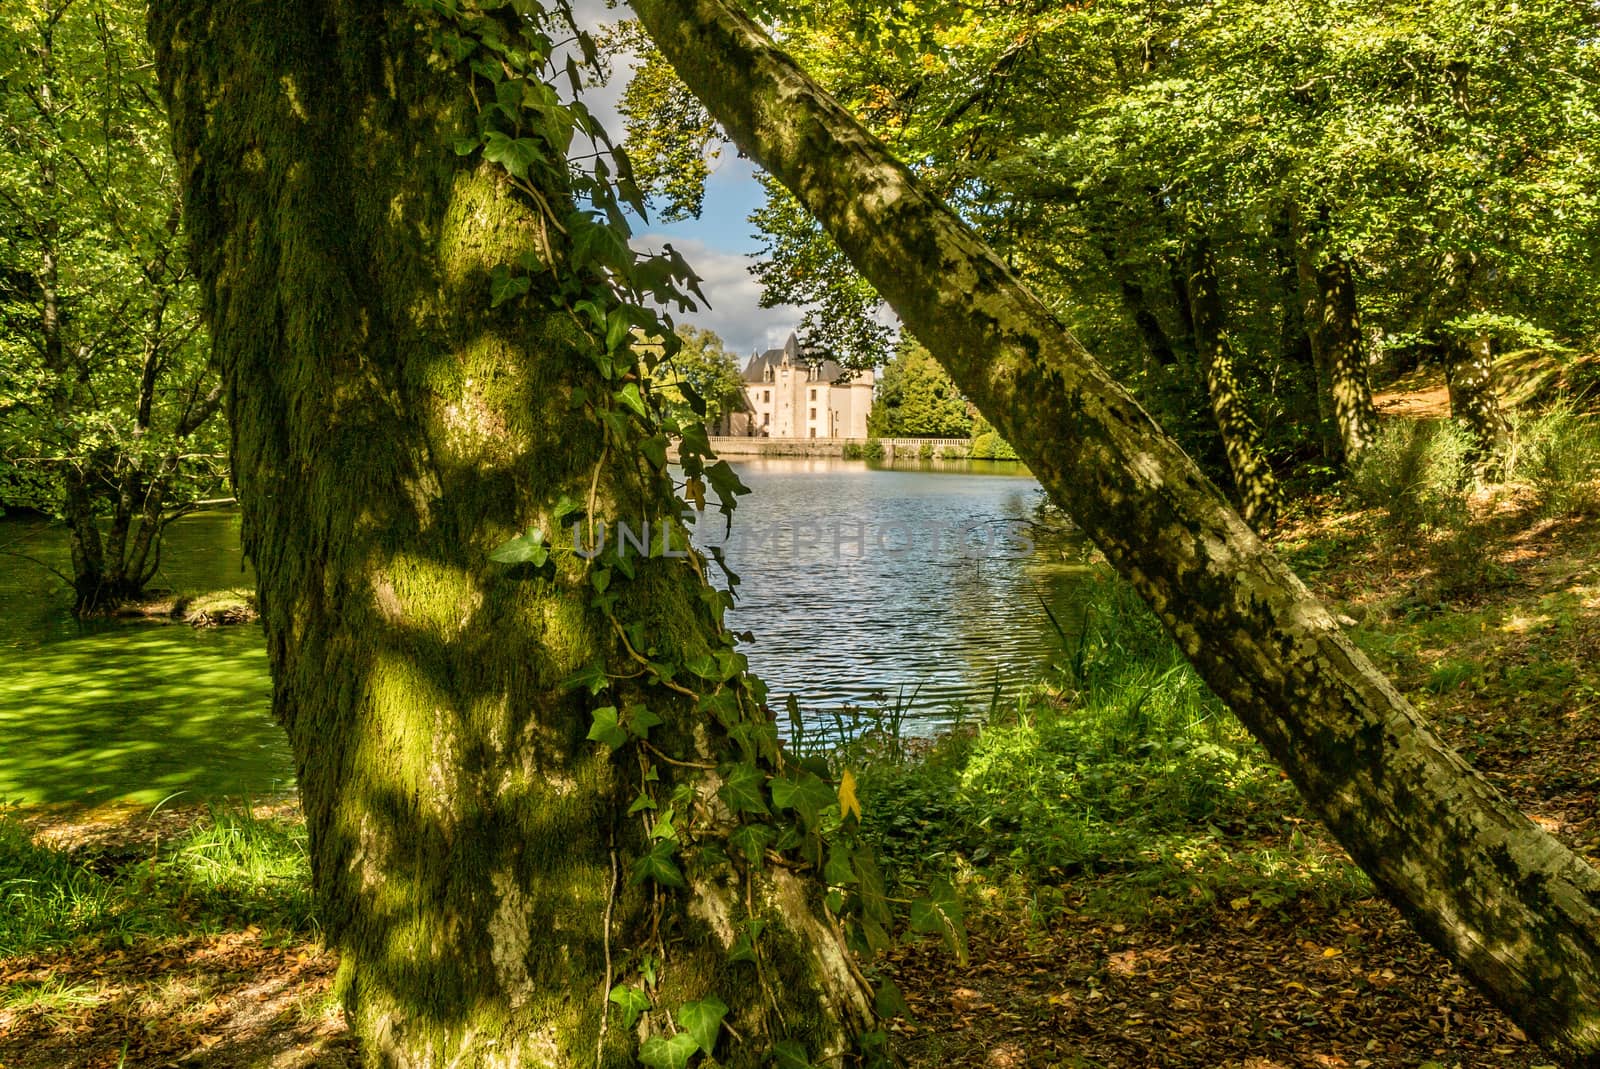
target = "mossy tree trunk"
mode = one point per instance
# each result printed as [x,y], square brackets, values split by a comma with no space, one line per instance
[471,849]
[1338,346]
[1513,907]
[1253,481]
[1469,366]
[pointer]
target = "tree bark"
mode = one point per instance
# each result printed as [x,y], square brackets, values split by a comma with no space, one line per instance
[1253,481]
[1514,908]
[1469,369]
[1338,345]
[470,849]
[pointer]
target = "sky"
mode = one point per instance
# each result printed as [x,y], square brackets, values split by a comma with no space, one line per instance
[720,244]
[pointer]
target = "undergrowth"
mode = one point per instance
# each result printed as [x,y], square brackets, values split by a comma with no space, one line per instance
[1122,768]
[228,871]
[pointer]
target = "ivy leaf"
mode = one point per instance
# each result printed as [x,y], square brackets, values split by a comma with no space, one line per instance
[655,450]
[876,937]
[744,948]
[629,396]
[791,1054]
[703,1020]
[694,436]
[725,481]
[524,549]
[504,286]
[668,1052]
[742,789]
[631,1001]
[591,677]
[848,803]
[839,871]
[606,729]
[565,506]
[617,330]
[872,892]
[889,1002]
[940,914]
[751,840]
[641,720]
[514,154]
[658,865]
[664,828]
[806,794]
[644,801]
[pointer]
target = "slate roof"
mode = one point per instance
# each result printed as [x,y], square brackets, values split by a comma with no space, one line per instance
[829,371]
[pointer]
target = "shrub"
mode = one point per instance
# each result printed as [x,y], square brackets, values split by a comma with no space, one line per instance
[1558,452]
[990,446]
[1416,472]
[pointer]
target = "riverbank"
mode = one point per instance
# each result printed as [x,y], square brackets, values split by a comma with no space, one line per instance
[888,450]
[216,608]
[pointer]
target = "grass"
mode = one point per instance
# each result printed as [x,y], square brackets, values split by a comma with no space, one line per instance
[230,870]
[57,1000]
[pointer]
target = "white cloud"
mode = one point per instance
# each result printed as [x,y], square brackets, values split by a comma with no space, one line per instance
[735,314]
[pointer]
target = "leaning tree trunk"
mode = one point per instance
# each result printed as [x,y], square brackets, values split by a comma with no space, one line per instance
[1516,910]
[1339,348]
[1253,480]
[471,850]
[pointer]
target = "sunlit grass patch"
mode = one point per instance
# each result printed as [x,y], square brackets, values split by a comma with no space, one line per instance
[58,1000]
[239,868]
[47,897]
[229,870]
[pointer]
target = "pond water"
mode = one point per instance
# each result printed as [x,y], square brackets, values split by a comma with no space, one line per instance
[919,586]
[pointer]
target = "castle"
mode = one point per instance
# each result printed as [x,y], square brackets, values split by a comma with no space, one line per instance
[788,396]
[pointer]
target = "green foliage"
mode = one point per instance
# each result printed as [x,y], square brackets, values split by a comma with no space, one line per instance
[1417,473]
[987,444]
[669,136]
[916,399]
[704,368]
[1558,451]
[105,389]
[1128,746]
[1390,134]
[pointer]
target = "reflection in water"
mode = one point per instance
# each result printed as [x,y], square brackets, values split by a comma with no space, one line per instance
[871,581]
[862,583]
